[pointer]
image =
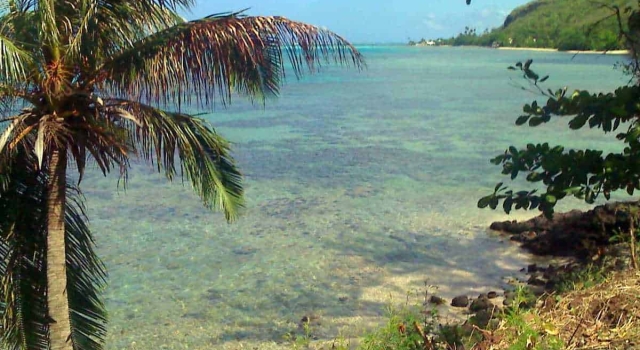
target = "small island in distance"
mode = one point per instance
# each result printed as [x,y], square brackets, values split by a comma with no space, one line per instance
[565,25]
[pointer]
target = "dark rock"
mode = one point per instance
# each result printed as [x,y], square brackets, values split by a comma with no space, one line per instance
[528,236]
[244,250]
[532,268]
[492,295]
[574,233]
[467,328]
[536,281]
[482,318]
[537,290]
[436,300]
[343,299]
[460,301]
[481,304]
[508,301]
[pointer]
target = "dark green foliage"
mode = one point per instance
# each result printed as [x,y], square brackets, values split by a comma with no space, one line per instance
[584,174]
[561,24]
[23,269]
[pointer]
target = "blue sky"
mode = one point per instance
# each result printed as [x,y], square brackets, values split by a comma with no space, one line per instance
[376,21]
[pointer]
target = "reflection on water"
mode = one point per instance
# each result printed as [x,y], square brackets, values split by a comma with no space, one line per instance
[360,187]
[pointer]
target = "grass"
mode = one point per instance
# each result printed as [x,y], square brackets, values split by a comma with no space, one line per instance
[593,308]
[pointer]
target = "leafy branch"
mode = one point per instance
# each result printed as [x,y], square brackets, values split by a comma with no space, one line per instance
[584,174]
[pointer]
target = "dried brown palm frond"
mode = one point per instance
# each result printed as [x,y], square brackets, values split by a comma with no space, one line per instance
[200,60]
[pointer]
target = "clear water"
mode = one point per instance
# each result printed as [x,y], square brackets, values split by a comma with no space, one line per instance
[361,186]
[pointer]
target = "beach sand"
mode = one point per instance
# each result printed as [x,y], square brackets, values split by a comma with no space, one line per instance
[610,52]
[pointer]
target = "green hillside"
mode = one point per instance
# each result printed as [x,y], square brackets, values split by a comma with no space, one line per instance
[561,24]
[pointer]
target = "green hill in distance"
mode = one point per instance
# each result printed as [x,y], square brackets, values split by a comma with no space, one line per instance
[557,24]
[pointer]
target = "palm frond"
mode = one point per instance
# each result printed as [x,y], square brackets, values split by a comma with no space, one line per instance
[14,62]
[166,139]
[86,278]
[23,249]
[103,28]
[99,138]
[216,56]
[49,33]
[23,270]
[17,129]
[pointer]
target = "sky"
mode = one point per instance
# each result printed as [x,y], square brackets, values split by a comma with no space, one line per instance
[376,21]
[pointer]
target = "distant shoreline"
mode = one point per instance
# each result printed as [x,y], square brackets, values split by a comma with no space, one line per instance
[610,52]
[540,49]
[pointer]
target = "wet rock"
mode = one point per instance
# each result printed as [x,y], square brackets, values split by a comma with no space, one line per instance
[434,299]
[310,319]
[214,296]
[574,233]
[508,301]
[481,304]
[536,281]
[492,295]
[532,268]
[460,301]
[200,315]
[550,272]
[537,290]
[244,250]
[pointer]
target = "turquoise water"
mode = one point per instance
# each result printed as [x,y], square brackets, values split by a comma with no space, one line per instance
[361,186]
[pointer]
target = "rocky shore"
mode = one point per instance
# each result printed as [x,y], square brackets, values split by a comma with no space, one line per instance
[582,237]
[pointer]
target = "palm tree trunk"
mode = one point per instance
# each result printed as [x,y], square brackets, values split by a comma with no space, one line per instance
[57,299]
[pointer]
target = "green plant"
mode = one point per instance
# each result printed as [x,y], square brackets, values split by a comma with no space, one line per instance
[303,341]
[523,299]
[416,326]
[523,328]
[528,337]
[398,332]
[341,343]
[581,278]
[560,172]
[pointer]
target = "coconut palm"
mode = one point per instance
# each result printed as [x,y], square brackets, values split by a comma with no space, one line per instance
[100,83]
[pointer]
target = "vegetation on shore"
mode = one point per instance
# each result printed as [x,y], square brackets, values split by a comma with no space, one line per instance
[595,305]
[559,24]
[592,306]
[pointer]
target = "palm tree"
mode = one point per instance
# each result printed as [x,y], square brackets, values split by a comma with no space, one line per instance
[101,82]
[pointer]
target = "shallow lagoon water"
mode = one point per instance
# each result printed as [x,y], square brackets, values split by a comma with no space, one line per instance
[361,187]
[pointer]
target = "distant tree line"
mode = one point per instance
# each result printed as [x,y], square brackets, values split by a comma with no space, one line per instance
[557,38]
[563,25]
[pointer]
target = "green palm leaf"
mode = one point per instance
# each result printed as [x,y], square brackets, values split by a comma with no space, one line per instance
[14,62]
[23,247]
[167,139]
